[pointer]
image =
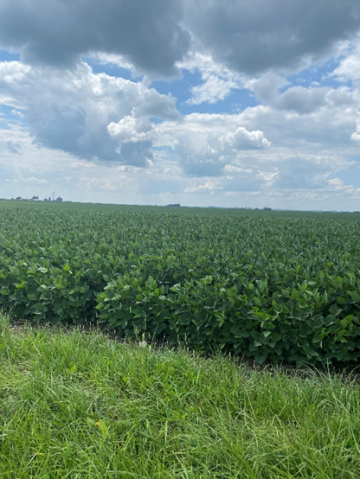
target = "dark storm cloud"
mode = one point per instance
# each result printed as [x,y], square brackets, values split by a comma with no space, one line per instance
[57,32]
[249,36]
[255,35]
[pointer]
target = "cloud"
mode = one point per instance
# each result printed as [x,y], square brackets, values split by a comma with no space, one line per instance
[131,128]
[356,135]
[250,177]
[211,91]
[252,37]
[267,86]
[241,139]
[340,188]
[136,153]
[153,37]
[301,173]
[218,80]
[207,187]
[239,179]
[13,146]
[96,136]
[276,91]
[348,68]
[203,143]
[71,110]
[206,143]
[325,131]
[18,114]
[57,33]
[110,59]
[102,118]
[34,181]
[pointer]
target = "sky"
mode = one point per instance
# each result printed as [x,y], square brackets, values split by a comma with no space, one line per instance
[229,103]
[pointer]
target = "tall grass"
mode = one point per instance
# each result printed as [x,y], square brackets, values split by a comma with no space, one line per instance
[76,404]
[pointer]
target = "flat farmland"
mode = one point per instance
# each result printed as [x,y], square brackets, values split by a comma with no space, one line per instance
[273,286]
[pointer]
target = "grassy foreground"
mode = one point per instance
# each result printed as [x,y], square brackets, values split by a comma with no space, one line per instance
[79,405]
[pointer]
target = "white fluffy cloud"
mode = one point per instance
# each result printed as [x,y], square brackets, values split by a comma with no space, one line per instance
[97,117]
[70,110]
[356,135]
[218,81]
[348,68]
[205,143]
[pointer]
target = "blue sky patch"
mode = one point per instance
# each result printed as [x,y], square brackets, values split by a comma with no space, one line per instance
[109,69]
[6,56]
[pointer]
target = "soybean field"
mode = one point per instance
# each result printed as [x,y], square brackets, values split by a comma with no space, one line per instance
[273,286]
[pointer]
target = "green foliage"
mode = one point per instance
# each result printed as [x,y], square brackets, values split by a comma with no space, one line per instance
[273,288]
[76,404]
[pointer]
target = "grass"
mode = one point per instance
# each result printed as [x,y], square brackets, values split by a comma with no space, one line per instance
[76,404]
